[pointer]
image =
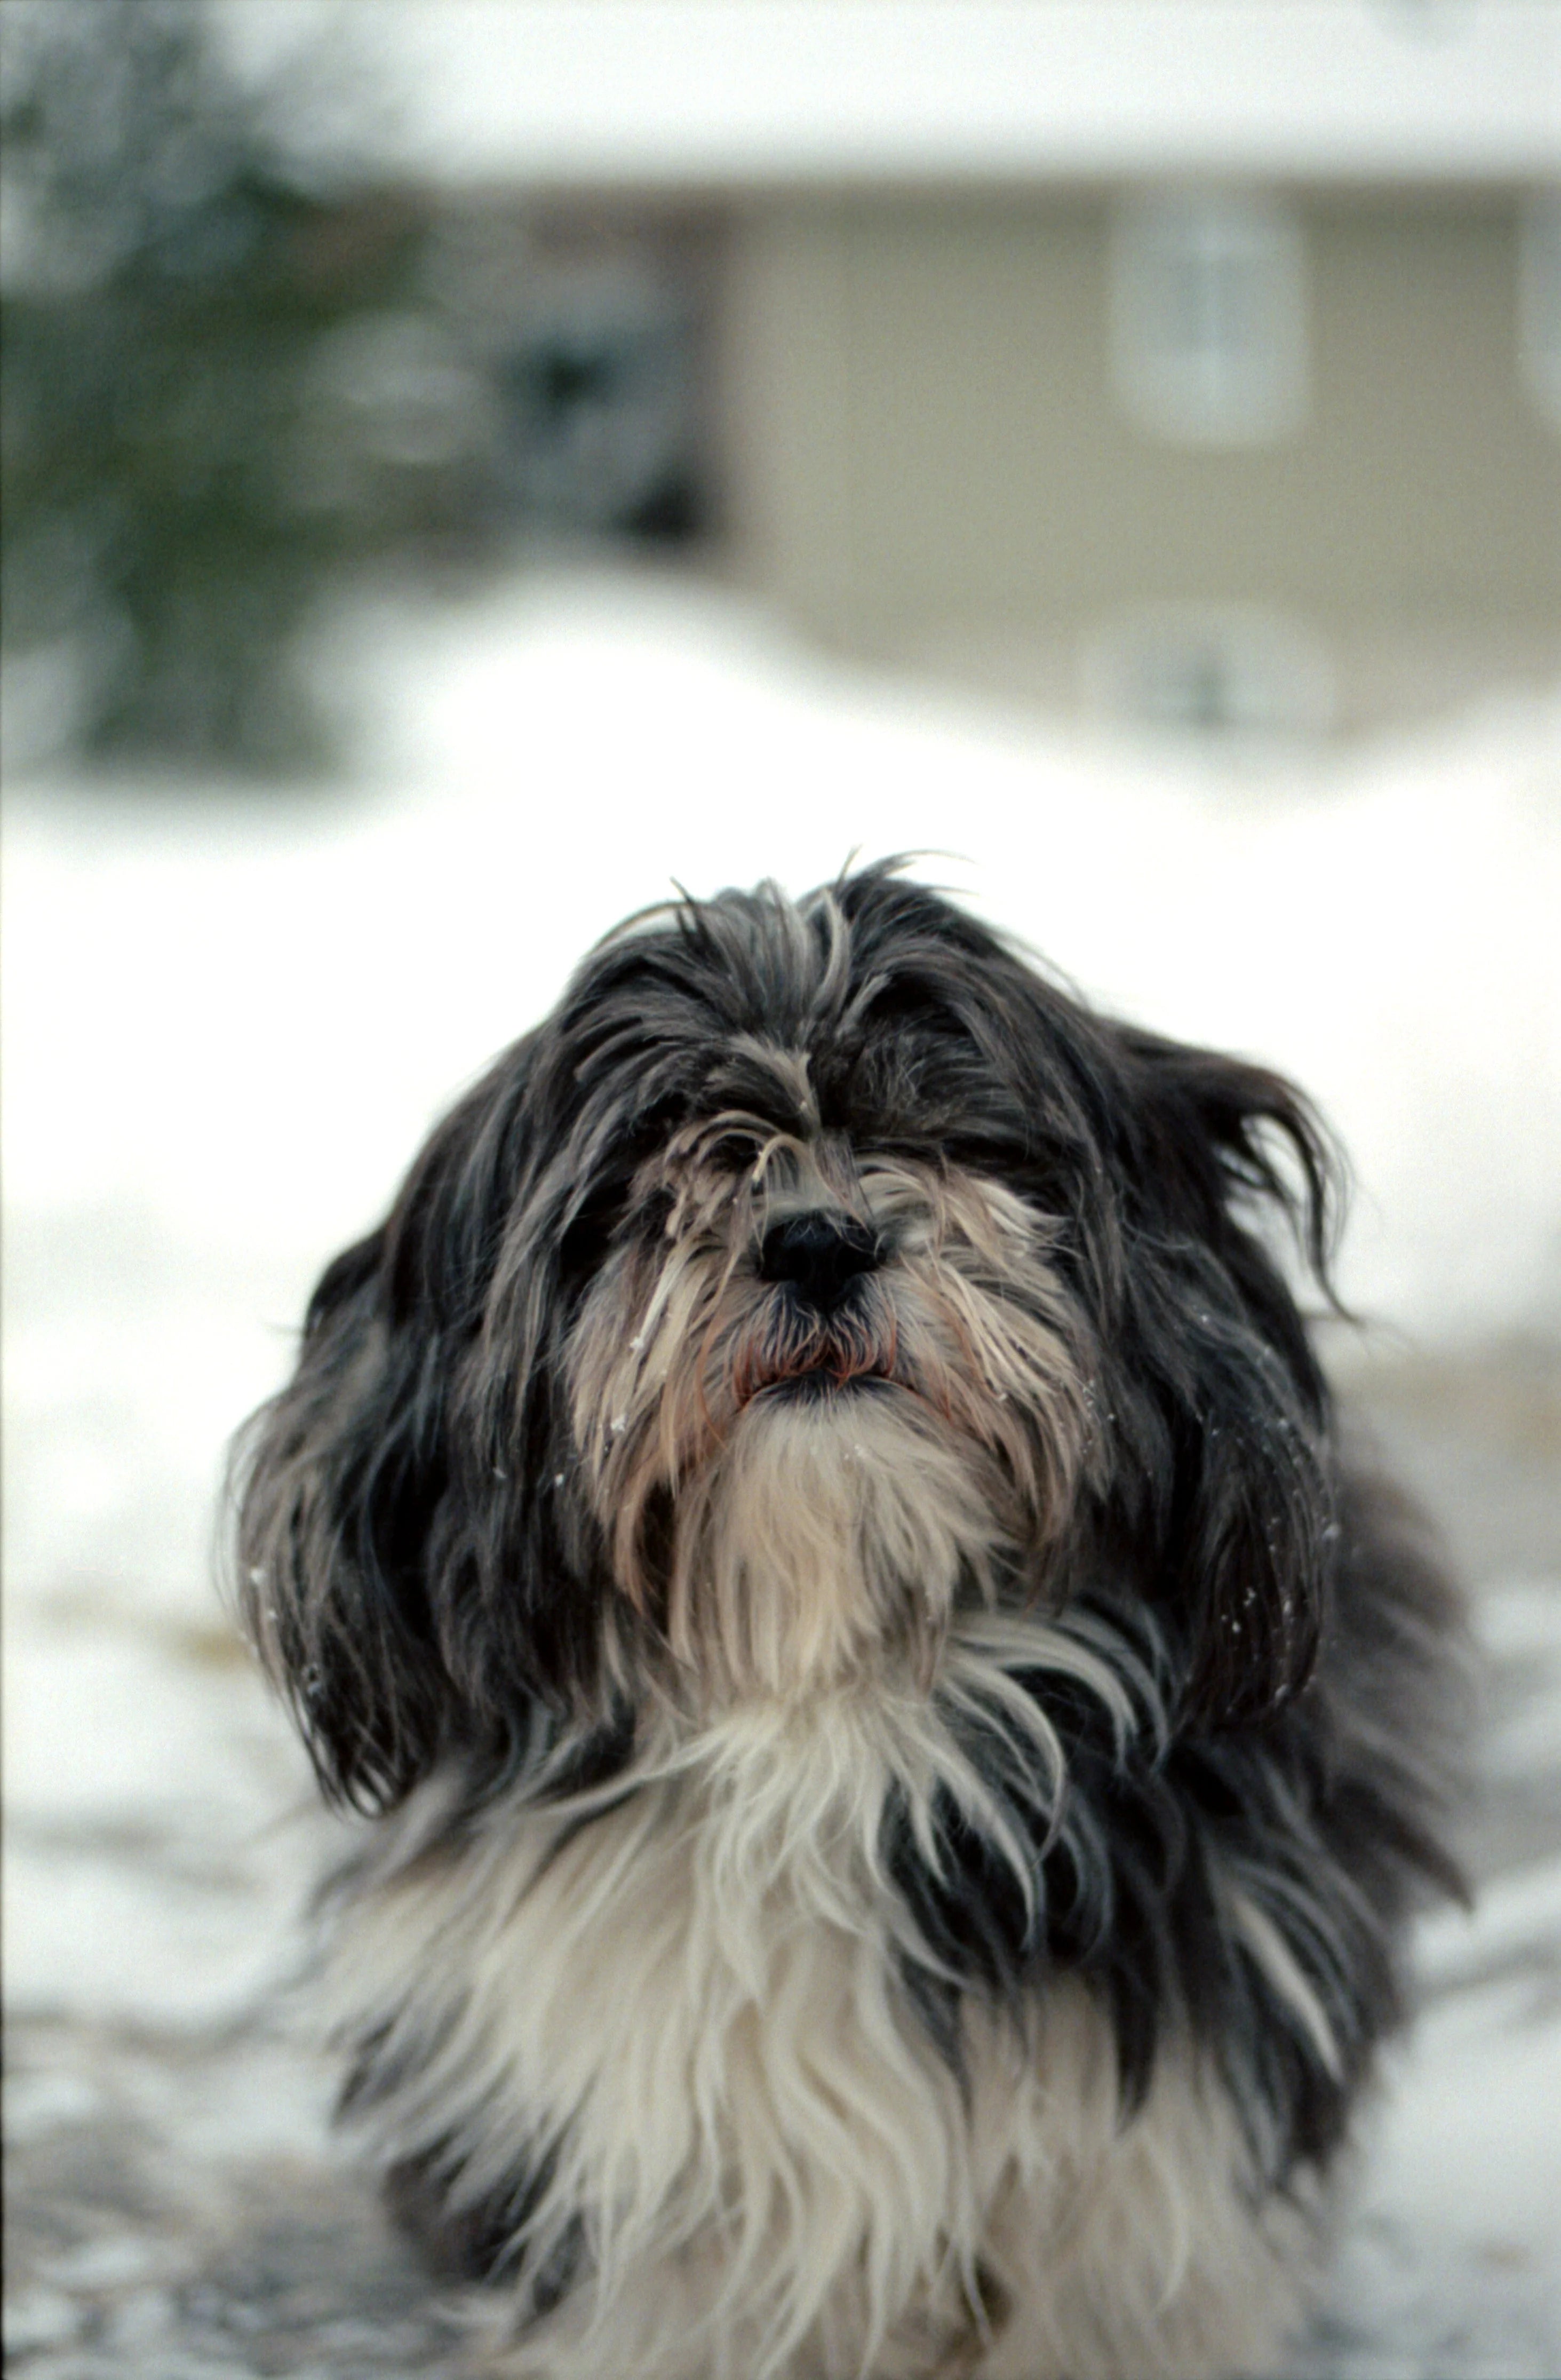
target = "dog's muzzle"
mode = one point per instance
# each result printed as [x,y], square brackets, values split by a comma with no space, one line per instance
[821,1253]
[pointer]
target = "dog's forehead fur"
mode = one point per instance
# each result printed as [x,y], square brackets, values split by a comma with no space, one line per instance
[871,1003]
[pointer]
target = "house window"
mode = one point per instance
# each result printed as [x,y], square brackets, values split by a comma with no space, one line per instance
[599,389]
[1228,674]
[590,329]
[1208,318]
[1538,301]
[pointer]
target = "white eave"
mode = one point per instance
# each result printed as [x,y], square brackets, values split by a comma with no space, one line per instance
[722,94]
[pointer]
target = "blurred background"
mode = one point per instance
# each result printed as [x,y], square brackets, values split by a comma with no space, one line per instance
[467,466]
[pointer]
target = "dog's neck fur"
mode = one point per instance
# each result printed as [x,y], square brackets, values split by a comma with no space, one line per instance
[676,2002]
[826,1547]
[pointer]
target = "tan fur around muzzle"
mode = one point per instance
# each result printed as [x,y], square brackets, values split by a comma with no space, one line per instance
[794,1497]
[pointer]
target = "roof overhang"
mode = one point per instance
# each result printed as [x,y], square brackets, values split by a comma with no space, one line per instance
[716,94]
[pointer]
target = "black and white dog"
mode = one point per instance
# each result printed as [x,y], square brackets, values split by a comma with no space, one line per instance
[901,1748]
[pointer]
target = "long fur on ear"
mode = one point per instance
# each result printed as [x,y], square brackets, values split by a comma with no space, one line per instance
[334,1482]
[355,1525]
[1216,1377]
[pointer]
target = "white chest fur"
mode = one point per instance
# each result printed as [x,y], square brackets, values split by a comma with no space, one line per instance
[691,2006]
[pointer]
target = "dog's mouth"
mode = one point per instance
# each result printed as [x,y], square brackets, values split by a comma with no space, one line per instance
[815,1354]
[817,1381]
[825,1362]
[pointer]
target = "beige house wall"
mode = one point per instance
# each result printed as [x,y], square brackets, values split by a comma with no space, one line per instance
[927,461]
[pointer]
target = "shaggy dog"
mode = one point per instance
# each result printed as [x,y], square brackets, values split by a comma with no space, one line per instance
[899,1746]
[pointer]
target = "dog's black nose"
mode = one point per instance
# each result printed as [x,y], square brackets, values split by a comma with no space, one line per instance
[820,1254]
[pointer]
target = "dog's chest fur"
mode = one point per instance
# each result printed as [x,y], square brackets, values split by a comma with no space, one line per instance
[677,2033]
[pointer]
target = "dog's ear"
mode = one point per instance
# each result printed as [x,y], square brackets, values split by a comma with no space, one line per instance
[357,1521]
[337,1480]
[1226,1405]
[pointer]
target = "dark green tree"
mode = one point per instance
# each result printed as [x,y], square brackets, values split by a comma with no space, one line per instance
[171,507]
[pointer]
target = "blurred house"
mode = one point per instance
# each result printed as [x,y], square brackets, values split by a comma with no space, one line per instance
[1244,455]
[1193,361]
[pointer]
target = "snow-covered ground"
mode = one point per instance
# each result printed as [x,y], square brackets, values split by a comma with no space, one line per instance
[229,1019]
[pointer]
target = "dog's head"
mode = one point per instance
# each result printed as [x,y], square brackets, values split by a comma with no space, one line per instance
[815,1271]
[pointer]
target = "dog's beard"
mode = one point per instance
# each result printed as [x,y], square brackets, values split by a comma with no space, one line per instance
[796,1498]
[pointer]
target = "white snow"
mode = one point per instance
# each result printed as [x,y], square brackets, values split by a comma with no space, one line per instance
[229,1020]
[234,1021]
